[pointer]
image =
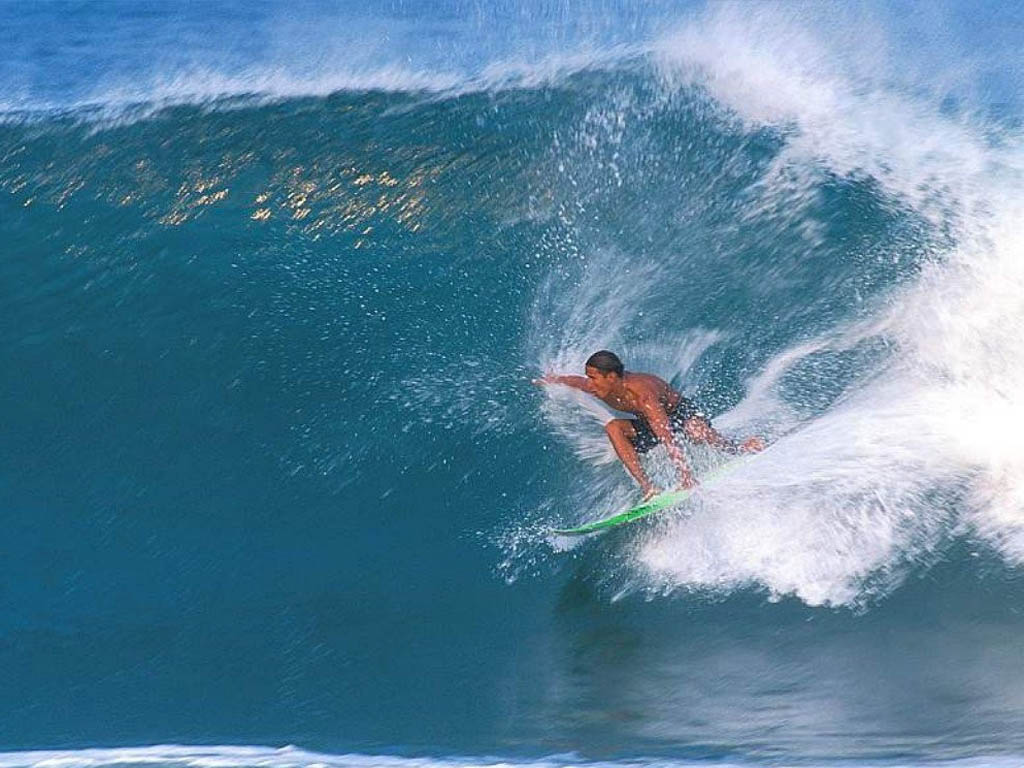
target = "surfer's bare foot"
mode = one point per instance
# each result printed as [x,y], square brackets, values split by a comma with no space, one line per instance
[752,445]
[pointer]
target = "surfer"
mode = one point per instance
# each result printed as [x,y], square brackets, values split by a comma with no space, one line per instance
[659,412]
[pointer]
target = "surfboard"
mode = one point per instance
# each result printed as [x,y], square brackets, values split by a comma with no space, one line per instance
[655,504]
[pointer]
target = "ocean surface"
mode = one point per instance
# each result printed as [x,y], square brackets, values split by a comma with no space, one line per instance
[276,490]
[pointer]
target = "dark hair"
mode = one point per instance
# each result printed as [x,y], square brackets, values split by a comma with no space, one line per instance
[606,362]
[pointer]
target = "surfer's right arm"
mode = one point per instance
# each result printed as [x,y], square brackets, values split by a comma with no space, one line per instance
[581,383]
[654,413]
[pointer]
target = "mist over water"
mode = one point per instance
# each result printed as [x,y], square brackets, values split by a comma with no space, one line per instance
[275,285]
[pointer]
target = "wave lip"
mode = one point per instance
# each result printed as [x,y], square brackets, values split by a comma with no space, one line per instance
[211,88]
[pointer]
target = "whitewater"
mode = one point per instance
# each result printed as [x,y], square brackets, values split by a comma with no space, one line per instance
[275,485]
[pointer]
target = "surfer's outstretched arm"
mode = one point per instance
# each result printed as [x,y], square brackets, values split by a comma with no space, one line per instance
[576,382]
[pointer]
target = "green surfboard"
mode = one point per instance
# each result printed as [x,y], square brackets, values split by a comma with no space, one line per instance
[655,504]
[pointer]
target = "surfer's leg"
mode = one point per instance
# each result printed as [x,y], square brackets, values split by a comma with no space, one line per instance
[621,432]
[699,430]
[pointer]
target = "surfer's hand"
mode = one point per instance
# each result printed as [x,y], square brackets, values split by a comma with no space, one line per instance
[752,445]
[547,378]
[650,491]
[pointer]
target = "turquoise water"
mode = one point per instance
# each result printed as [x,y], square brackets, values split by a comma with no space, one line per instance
[275,282]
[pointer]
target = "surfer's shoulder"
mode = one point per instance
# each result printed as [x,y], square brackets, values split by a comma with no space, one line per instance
[644,383]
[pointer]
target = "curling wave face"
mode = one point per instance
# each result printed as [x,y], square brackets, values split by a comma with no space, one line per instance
[269,440]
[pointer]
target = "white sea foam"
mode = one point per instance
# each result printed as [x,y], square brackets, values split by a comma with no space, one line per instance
[926,446]
[173,755]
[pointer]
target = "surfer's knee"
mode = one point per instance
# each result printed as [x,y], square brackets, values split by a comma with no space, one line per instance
[619,428]
[697,429]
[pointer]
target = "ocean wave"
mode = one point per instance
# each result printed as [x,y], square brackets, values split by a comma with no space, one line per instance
[293,757]
[855,495]
[270,438]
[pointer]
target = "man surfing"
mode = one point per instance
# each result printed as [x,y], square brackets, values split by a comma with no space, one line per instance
[659,410]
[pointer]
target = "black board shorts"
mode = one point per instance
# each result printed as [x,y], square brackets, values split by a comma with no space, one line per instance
[645,439]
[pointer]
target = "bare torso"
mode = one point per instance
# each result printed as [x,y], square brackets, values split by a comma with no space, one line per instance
[654,402]
[638,388]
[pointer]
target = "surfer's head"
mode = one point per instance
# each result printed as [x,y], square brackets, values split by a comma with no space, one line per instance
[604,369]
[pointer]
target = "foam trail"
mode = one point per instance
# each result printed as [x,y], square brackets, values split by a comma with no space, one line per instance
[294,757]
[912,451]
[842,507]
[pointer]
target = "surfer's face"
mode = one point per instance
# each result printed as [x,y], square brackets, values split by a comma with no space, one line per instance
[603,383]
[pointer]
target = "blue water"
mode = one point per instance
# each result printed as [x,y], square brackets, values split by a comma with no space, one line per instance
[276,489]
